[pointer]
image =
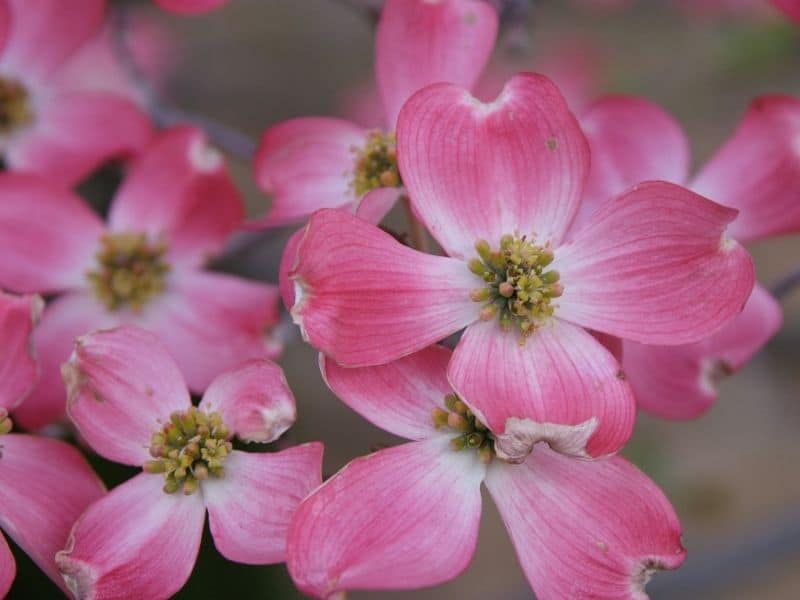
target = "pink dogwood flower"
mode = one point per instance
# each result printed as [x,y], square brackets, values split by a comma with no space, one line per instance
[498,186]
[757,172]
[145,266]
[51,123]
[191,7]
[44,484]
[407,516]
[791,8]
[320,162]
[128,399]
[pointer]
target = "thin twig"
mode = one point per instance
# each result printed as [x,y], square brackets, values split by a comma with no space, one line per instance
[230,140]
[785,285]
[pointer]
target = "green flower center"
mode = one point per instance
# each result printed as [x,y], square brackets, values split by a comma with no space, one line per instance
[15,107]
[472,434]
[190,448]
[376,164]
[130,270]
[5,422]
[518,287]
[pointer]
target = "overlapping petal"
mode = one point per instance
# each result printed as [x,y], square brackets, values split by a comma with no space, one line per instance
[213,322]
[559,376]
[249,510]
[366,299]
[45,485]
[679,382]
[585,529]
[180,189]
[48,236]
[122,386]
[18,365]
[632,140]
[8,567]
[655,266]
[398,397]
[307,164]
[254,400]
[477,170]
[419,42]
[757,171]
[137,542]
[412,515]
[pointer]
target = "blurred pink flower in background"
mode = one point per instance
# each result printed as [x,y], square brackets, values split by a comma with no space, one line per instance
[44,484]
[175,209]
[756,171]
[191,7]
[408,516]
[144,536]
[53,122]
[310,163]
[498,186]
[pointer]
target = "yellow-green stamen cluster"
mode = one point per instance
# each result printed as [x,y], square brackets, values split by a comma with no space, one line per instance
[15,109]
[130,270]
[190,448]
[376,163]
[5,422]
[518,286]
[472,434]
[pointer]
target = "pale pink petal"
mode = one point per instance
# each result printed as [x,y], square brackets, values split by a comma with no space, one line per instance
[64,319]
[655,266]
[48,236]
[401,518]
[398,397]
[191,7]
[137,542]
[213,322]
[76,132]
[560,376]
[180,188]
[419,42]
[477,170]
[255,401]
[632,140]
[249,510]
[8,568]
[306,164]
[366,299]
[790,7]
[680,382]
[758,170]
[18,366]
[122,386]
[376,204]
[45,485]
[42,39]
[288,262]
[585,529]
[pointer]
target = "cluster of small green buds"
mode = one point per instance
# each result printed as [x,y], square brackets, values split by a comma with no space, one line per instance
[15,108]
[130,270]
[376,163]
[472,434]
[6,425]
[518,287]
[190,448]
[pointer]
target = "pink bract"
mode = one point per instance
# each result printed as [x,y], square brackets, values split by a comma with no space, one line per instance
[143,537]
[62,127]
[756,171]
[595,528]
[478,174]
[18,366]
[309,163]
[179,204]
[191,7]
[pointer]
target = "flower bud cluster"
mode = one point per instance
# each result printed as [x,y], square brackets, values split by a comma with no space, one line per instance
[472,433]
[15,108]
[376,164]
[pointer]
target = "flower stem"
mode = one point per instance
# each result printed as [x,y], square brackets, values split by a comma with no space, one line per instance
[417,233]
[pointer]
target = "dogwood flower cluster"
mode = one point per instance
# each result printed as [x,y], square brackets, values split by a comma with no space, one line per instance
[578,273]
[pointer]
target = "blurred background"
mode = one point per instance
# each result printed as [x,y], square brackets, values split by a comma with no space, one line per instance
[734,474]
